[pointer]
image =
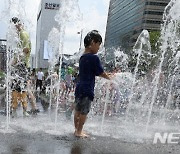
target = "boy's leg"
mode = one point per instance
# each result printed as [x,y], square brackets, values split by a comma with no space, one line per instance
[76,120]
[81,121]
[81,111]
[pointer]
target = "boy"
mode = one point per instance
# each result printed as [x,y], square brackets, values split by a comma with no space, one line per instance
[89,67]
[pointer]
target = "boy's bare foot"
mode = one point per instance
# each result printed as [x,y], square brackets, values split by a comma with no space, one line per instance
[81,135]
[84,132]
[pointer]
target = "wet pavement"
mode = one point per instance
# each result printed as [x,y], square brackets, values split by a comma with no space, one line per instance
[37,135]
[42,143]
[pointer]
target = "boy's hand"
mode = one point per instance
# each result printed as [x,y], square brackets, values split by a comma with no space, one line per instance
[111,75]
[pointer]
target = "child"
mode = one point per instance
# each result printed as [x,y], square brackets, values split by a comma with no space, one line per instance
[89,67]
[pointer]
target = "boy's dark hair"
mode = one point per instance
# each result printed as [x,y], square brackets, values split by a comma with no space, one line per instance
[92,36]
[15,20]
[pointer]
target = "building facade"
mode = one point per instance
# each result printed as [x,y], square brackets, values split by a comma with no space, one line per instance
[127,19]
[45,22]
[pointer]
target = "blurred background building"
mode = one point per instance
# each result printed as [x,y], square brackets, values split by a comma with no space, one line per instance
[2,54]
[127,19]
[45,23]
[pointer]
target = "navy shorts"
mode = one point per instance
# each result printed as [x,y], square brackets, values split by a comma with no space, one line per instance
[83,105]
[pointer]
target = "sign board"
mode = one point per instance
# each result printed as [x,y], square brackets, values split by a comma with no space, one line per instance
[52,6]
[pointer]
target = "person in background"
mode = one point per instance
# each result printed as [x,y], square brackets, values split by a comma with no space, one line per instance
[69,83]
[20,65]
[70,105]
[40,77]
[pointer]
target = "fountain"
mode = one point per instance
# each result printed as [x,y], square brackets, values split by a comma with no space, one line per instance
[148,106]
[169,61]
[53,51]
[134,105]
[141,48]
[12,50]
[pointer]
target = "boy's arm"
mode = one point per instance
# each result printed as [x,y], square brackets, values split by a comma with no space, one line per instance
[105,75]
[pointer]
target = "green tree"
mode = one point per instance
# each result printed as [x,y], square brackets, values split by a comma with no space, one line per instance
[155,47]
[154,40]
